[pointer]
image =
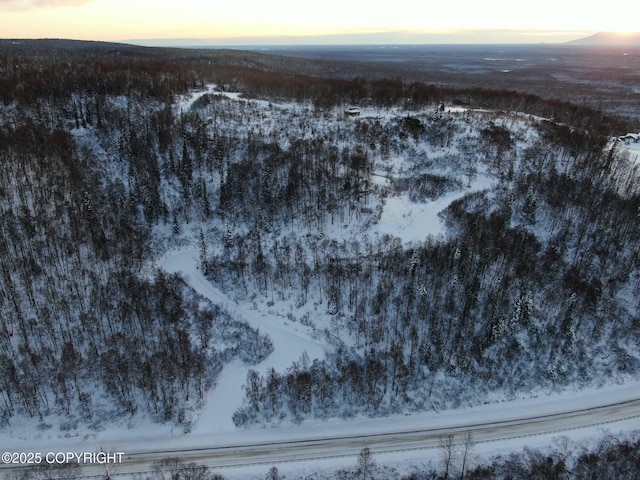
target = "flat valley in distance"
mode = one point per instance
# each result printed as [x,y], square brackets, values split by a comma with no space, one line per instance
[602,77]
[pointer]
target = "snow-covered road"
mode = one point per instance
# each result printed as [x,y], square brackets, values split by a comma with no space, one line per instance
[396,442]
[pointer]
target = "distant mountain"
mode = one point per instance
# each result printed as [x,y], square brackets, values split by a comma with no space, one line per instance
[610,39]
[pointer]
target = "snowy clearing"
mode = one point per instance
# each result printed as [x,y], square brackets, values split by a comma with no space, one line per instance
[413,222]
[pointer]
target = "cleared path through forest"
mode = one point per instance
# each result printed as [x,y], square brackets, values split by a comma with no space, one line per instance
[290,341]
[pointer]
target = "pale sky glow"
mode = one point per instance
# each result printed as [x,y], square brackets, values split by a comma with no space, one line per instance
[113,20]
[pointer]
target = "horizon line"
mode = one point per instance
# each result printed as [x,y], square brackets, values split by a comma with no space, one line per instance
[459,37]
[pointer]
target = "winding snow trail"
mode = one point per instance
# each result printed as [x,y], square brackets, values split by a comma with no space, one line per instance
[290,341]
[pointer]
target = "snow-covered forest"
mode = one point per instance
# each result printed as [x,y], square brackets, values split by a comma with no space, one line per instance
[529,282]
[450,247]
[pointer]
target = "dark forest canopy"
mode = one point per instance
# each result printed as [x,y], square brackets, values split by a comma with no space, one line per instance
[47,68]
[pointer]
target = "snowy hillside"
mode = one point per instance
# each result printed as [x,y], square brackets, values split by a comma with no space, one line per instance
[214,249]
[367,230]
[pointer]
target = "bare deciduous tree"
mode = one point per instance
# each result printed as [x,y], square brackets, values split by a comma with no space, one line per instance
[365,463]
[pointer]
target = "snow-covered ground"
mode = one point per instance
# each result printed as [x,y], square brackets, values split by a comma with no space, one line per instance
[214,426]
[400,217]
[290,341]
[632,148]
[185,103]
[413,222]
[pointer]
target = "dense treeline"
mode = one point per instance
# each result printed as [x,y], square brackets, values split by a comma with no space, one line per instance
[32,71]
[330,92]
[610,460]
[81,322]
[74,312]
